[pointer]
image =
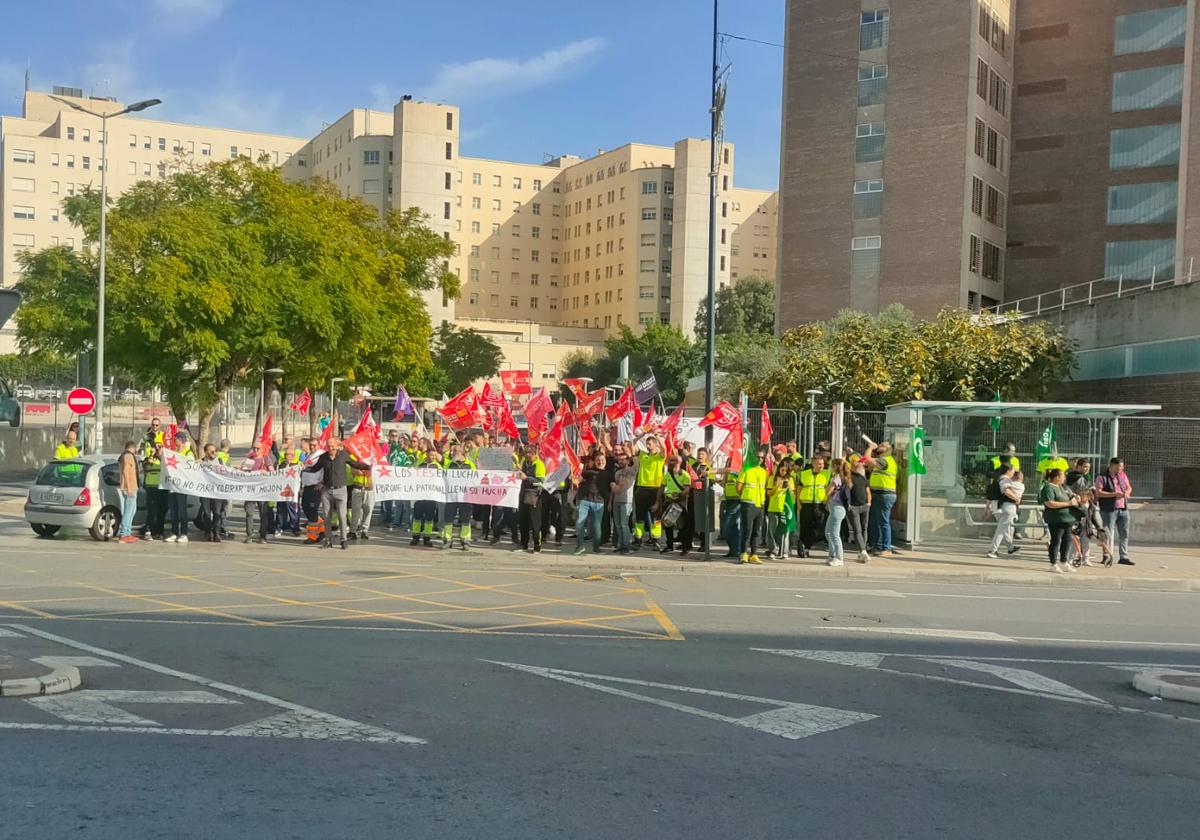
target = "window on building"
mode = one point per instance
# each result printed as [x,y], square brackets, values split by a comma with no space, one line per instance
[873,30]
[1147,145]
[70,132]
[449,151]
[1153,87]
[649,188]
[1143,204]
[992,266]
[370,157]
[872,88]
[24,185]
[995,210]
[86,162]
[998,92]
[370,186]
[980,137]
[1158,29]
[474,227]
[868,200]
[974,253]
[993,147]
[981,78]
[495,227]
[22,212]
[206,151]
[24,156]
[977,196]
[649,240]
[1140,259]
[54,187]
[868,142]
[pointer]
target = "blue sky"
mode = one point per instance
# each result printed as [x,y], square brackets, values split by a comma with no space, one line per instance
[532,76]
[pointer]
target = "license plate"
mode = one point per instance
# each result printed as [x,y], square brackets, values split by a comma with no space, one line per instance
[49,497]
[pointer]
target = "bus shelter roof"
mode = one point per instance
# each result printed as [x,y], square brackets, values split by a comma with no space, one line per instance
[1022,409]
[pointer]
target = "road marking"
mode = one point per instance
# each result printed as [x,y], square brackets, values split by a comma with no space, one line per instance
[754,607]
[5,632]
[1017,676]
[311,724]
[974,635]
[892,593]
[787,720]
[74,662]
[96,707]
[1110,642]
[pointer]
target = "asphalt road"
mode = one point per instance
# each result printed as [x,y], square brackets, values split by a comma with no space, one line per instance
[288,692]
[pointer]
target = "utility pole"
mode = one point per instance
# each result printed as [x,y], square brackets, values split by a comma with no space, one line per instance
[715,131]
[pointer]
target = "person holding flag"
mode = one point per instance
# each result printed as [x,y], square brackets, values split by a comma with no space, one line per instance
[752,491]
[781,489]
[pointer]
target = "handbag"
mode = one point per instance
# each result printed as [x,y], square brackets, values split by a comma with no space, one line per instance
[531,497]
[671,517]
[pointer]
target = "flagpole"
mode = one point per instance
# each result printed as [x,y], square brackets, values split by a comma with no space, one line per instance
[710,343]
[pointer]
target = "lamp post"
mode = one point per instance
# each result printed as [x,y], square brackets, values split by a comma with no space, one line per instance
[332,405]
[813,393]
[128,109]
[262,398]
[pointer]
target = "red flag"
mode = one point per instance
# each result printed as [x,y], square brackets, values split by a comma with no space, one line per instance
[516,382]
[577,387]
[672,422]
[637,418]
[731,448]
[648,423]
[723,416]
[367,423]
[457,417]
[564,415]
[586,435]
[622,406]
[327,433]
[437,429]
[536,409]
[550,447]
[302,403]
[590,405]
[361,445]
[491,398]
[169,437]
[572,458]
[508,423]
[264,440]
[466,398]
[765,430]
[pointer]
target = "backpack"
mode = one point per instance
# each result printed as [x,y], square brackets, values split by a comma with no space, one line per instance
[993,491]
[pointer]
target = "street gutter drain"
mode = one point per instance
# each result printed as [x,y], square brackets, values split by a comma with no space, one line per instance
[850,618]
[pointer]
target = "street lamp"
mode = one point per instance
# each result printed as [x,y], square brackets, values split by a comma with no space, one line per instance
[128,109]
[333,405]
[262,398]
[813,393]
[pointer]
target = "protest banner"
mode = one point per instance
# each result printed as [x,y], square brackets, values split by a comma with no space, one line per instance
[214,480]
[500,488]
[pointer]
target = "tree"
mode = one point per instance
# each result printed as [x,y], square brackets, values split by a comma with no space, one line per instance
[463,356]
[663,349]
[872,361]
[746,307]
[220,271]
[36,368]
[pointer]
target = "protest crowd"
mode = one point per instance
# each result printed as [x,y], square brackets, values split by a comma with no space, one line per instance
[616,474]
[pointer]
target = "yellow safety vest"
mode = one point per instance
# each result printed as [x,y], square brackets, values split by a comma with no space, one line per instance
[812,486]
[223,457]
[885,479]
[650,469]
[539,467]
[731,481]
[1046,464]
[778,500]
[754,486]
[674,485]
[65,453]
[1013,459]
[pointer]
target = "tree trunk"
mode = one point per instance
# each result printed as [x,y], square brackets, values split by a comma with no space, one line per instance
[206,415]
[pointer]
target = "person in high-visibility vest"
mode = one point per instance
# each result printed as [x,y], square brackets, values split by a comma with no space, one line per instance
[811,513]
[752,490]
[781,483]
[731,512]
[677,490]
[457,512]
[1052,461]
[651,465]
[68,449]
[287,514]
[425,510]
[884,471]
[1009,455]
[156,496]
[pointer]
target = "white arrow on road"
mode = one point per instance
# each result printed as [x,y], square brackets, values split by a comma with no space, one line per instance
[95,706]
[787,720]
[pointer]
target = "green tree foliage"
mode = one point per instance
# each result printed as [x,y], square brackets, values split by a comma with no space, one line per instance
[459,358]
[746,307]
[36,369]
[220,271]
[665,350]
[872,361]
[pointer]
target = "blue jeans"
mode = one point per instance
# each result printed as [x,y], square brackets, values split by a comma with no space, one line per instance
[593,511]
[833,532]
[731,525]
[1116,522]
[879,525]
[397,513]
[620,516]
[128,509]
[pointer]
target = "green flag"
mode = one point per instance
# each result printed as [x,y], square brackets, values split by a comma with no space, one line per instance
[916,452]
[1045,443]
[789,513]
[750,454]
[995,421]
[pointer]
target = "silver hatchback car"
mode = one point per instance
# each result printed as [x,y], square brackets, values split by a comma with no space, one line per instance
[83,492]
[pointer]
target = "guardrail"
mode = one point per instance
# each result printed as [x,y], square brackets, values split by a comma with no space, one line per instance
[1092,292]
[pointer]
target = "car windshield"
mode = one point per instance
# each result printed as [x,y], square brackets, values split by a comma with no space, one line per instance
[62,474]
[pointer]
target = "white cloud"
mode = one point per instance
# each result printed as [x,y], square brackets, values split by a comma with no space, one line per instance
[111,71]
[186,15]
[463,82]
[383,96]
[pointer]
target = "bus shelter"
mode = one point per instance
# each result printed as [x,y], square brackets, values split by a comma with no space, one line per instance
[962,438]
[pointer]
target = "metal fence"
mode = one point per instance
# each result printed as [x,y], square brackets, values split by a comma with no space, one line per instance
[1162,456]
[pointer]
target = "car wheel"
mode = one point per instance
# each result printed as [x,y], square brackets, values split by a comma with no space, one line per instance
[105,526]
[44,530]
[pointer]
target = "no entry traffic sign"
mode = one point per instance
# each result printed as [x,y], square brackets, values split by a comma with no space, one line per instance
[81,400]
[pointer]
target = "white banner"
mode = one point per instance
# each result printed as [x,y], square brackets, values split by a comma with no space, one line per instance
[477,487]
[213,480]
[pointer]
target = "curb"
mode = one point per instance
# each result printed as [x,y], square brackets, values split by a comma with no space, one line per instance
[1161,684]
[58,681]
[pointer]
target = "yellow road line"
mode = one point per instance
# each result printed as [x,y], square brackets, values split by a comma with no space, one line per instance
[27,610]
[151,600]
[663,619]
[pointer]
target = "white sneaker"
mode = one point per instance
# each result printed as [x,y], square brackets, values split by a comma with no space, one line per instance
[835,562]
[1087,561]
[863,557]
[1067,567]
[182,539]
[1058,569]
[992,555]
[170,538]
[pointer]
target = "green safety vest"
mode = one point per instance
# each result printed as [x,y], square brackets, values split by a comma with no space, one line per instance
[153,470]
[885,479]
[675,484]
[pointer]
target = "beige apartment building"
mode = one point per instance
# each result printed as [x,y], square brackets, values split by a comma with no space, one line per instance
[52,152]
[754,251]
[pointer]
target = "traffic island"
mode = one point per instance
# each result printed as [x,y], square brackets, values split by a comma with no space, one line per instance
[62,679]
[1169,685]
